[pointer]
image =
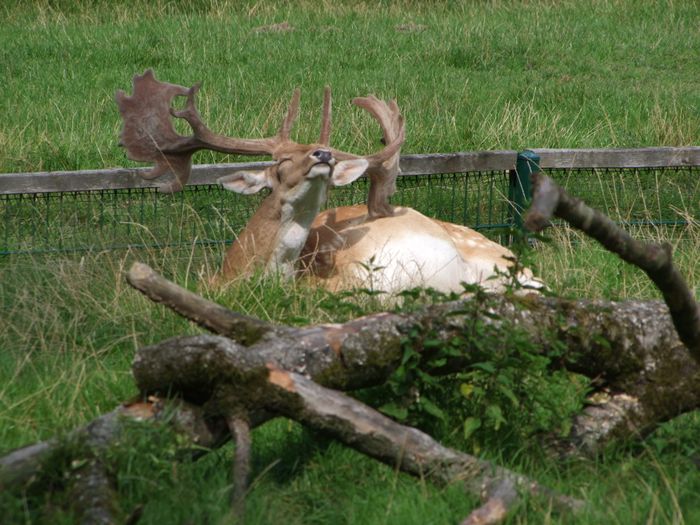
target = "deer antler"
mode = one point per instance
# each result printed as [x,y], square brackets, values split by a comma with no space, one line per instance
[326,119]
[149,135]
[383,165]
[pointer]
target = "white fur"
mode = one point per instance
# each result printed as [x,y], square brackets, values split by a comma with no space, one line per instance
[409,260]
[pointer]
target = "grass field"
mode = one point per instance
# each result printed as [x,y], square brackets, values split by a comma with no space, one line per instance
[468,76]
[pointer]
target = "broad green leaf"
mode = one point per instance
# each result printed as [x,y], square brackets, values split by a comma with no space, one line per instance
[395,411]
[509,394]
[432,409]
[486,366]
[471,425]
[495,415]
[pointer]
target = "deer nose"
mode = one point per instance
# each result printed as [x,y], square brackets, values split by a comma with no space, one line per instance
[323,155]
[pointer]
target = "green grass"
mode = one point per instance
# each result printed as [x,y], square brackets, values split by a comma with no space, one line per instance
[71,325]
[477,76]
[497,75]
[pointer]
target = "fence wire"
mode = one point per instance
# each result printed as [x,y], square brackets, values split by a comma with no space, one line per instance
[643,200]
[206,215]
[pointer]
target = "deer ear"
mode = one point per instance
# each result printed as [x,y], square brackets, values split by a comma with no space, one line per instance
[347,171]
[246,182]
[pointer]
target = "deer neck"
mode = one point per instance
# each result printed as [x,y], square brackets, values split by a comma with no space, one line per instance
[277,232]
[297,212]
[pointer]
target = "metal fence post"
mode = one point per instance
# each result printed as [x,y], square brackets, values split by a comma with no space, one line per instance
[520,185]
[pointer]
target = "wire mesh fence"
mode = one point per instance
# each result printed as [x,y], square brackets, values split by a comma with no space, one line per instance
[205,214]
[643,200]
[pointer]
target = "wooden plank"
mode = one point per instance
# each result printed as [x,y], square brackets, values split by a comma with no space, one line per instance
[463,162]
[619,158]
[109,179]
[123,178]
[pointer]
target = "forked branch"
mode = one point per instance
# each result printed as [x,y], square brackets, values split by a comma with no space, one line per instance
[549,199]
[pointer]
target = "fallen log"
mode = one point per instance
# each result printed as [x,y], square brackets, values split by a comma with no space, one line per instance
[644,375]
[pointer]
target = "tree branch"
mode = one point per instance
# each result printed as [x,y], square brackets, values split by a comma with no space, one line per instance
[499,500]
[549,200]
[23,465]
[407,448]
[207,314]
[93,495]
[240,430]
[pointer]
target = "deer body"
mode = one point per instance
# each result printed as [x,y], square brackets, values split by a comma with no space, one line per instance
[346,249]
[377,245]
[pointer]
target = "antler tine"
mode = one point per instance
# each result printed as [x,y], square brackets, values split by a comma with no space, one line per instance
[206,139]
[391,121]
[383,166]
[292,113]
[325,138]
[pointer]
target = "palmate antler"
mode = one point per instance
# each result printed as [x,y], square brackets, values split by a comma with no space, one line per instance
[149,135]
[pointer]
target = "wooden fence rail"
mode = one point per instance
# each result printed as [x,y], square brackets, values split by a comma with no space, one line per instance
[123,178]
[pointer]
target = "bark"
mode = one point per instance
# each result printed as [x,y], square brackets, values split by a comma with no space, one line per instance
[495,509]
[240,430]
[406,448]
[207,314]
[93,495]
[243,376]
[643,373]
[27,464]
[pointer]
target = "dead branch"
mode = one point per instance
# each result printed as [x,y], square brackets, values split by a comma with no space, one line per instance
[549,199]
[407,448]
[499,500]
[25,465]
[212,316]
[240,430]
[93,494]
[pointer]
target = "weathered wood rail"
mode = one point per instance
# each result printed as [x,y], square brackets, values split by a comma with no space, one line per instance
[462,162]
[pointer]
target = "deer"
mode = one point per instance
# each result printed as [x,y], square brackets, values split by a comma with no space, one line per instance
[388,248]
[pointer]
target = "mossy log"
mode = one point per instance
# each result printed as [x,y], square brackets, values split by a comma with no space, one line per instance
[643,373]
[631,348]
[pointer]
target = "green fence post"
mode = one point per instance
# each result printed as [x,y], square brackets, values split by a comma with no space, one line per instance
[520,185]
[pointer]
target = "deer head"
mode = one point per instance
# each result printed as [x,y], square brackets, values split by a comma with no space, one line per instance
[298,180]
